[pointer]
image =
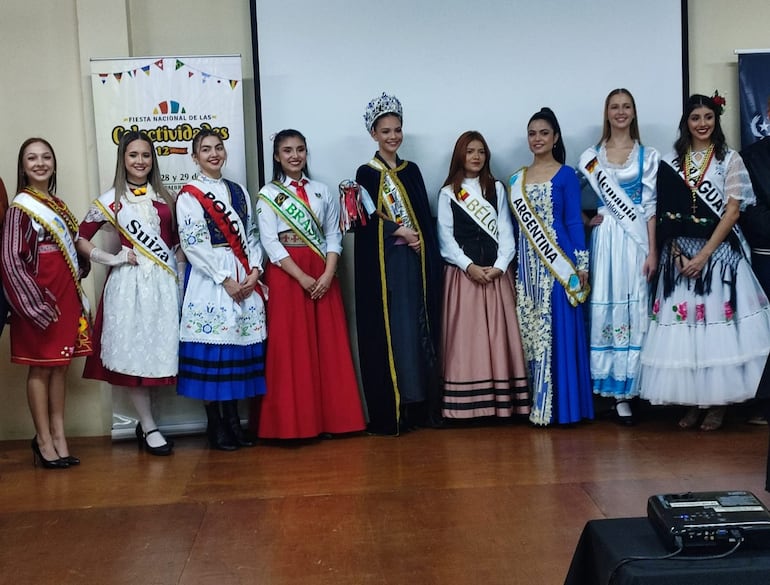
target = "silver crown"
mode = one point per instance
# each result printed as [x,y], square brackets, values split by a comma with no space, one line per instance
[379,106]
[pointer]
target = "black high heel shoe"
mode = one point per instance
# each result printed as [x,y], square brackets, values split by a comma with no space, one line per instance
[46,463]
[70,460]
[141,441]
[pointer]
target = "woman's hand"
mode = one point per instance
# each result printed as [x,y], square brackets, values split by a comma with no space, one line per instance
[650,266]
[583,276]
[596,220]
[693,267]
[234,289]
[411,236]
[321,286]
[477,274]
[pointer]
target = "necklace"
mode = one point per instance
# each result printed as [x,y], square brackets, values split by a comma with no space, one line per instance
[689,166]
[137,189]
[57,205]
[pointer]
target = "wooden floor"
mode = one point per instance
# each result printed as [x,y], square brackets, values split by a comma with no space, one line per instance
[475,505]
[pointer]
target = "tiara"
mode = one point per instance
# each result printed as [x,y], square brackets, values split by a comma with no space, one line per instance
[379,106]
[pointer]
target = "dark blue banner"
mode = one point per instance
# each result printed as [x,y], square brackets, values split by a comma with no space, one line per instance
[754,83]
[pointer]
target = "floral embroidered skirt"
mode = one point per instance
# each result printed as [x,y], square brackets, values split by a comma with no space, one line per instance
[707,348]
[619,310]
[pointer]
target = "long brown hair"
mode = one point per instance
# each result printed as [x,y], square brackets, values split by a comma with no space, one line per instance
[457,166]
[21,177]
[607,130]
[119,182]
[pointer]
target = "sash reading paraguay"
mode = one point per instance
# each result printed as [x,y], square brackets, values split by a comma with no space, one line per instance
[298,216]
[554,258]
[132,226]
[615,199]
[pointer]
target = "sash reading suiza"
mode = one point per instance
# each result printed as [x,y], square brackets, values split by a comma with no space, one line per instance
[554,258]
[478,209]
[391,195]
[615,199]
[134,228]
[56,226]
[298,216]
[226,219]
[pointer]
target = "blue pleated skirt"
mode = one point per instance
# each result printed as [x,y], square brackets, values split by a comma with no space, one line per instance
[220,372]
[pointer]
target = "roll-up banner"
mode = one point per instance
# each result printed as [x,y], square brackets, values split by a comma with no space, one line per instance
[754,82]
[171,99]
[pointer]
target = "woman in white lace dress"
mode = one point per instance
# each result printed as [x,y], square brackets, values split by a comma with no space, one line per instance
[135,334]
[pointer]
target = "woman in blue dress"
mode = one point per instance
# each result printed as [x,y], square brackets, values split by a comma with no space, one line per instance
[552,277]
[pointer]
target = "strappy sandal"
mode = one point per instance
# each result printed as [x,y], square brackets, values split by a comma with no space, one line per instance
[715,417]
[690,420]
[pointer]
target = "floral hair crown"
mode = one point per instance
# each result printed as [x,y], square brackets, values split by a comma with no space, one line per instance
[719,101]
[379,106]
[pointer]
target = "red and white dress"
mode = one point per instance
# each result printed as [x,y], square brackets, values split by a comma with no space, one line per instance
[48,327]
[311,383]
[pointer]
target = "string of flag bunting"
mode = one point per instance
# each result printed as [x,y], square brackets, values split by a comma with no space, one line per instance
[178,64]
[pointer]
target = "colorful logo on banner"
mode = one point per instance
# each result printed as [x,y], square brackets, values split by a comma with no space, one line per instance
[171,104]
[754,81]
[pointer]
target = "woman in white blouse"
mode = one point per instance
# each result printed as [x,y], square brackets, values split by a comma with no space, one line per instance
[223,310]
[484,371]
[312,384]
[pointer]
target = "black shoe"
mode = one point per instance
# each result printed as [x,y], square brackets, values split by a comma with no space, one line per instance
[70,460]
[141,441]
[220,437]
[625,420]
[232,422]
[46,463]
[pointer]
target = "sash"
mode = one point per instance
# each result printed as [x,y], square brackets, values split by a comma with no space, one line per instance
[225,218]
[705,189]
[553,257]
[142,237]
[53,223]
[479,210]
[391,196]
[615,198]
[298,216]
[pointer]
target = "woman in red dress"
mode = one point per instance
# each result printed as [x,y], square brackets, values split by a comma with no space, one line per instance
[41,274]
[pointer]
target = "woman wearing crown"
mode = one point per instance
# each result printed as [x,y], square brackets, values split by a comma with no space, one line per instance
[398,279]
[710,332]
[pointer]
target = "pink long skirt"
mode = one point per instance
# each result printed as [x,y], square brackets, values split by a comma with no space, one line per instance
[484,370]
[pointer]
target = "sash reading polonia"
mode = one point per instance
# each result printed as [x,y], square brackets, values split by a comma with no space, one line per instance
[615,199]
[554,258]
[134,229]
[298,216]
[226,219]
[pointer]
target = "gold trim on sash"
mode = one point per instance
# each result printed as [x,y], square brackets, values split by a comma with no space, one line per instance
[57,228]
[314,236]
[549,252]
[153,253]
